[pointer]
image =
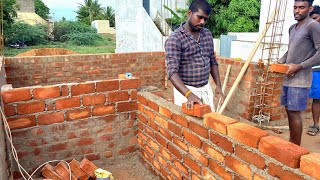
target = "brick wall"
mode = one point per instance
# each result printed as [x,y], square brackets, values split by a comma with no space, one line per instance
[3,165]
[49,70]
[177,146]
[94,119]
[26,6]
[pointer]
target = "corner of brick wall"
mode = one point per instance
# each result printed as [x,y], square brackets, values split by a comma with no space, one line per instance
[95,120]
[219,147]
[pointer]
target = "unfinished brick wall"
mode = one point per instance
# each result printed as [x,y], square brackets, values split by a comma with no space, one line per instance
[177,146]
[49,70]
[95,120]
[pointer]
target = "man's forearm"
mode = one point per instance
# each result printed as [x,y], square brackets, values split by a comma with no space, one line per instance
[178,83]
[216,76]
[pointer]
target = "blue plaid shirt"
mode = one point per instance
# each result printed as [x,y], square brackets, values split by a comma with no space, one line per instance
[190,59]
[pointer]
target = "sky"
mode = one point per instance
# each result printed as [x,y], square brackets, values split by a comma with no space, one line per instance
[67,8]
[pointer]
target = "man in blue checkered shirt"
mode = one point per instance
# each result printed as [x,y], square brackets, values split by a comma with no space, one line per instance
[190,59]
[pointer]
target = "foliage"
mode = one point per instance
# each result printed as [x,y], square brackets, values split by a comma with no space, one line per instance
[226,16]
[177,18]
[106,46]
[89,11]
[31,35]
[9,13]
[108,13]
[41,9]
[70,27]
[240,16]
[82,38]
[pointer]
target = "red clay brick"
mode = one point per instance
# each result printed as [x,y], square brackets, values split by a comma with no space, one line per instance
[180,144]
[208,175]
[165,133]
[181,167]
[16,95]
[134,95]
[46,92]
[9,110]
[63,171]
[180,120]
[216,168]
[165,112]
[153,144]
[32,107]
[22,122]
[127,150]
[88,167]
[163,122]
[193,139]
[114,97]
[57,147]
[85,142]
[109,85]
[258,177]
[174,151]
[51,118]
[78,114]
[80,89]
[68,103]
[48,172]
[192,164]
[218,122]
[64,90]
[175,129]
[75,167]
[195,177]
[310,164]
[153,105]
[149,150]
[277,171]
[279,68]
[175,172]
[150,114]
[198,155]
[153,125]
[130,84]
[246,134]
[198,110]
[161,140]
[222,142]
[250,157]
[239,167]
[164,152]
[199,129]
[142,118]
[218,156]
[92,100]
[275,147]
[103,110]
[127,106]
[142,100]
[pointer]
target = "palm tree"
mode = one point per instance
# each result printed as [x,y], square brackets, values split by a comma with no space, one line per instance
[89,11]
[108,14]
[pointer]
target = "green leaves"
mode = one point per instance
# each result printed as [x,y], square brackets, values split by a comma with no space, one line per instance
[41,9]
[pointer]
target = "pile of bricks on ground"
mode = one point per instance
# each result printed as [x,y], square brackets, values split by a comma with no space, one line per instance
[83,171]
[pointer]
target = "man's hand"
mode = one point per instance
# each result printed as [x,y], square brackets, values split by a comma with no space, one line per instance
[193,99]
[219,95]
[293,68]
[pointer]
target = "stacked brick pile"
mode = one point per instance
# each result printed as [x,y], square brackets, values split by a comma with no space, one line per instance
[82,171]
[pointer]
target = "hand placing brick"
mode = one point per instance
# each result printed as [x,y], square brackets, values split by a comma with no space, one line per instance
[279,68]
[198,110]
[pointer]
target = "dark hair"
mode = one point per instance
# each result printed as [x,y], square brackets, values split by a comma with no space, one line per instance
[309,1]
[200,4]
[316,10]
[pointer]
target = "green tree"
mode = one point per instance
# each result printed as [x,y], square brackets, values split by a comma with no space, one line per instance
[108,13]
[89,11]
[41,9]
[240,16]
[9,13]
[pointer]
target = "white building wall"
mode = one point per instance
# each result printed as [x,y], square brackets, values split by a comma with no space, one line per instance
[135,29]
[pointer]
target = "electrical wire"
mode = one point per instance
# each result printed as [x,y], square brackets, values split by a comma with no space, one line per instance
[22,171]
